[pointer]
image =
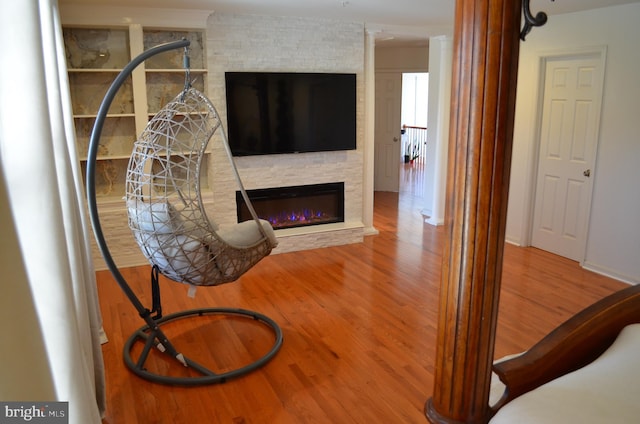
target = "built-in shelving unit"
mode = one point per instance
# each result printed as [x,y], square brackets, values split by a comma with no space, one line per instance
[95,56]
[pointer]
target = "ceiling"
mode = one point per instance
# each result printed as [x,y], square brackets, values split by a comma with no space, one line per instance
[394,21]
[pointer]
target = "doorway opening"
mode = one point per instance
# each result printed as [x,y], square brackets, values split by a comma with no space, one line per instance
[413,116]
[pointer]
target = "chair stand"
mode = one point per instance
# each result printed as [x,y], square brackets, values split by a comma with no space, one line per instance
[154,338]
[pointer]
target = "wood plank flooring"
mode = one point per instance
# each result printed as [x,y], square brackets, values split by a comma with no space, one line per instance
[359,324]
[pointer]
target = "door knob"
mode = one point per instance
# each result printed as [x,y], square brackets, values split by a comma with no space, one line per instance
[587,173]
[395,139]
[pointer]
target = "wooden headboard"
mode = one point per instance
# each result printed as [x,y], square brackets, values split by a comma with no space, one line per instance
[574,344]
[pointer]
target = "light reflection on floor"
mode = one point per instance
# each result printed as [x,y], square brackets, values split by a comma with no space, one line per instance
[412,178]
[412,186]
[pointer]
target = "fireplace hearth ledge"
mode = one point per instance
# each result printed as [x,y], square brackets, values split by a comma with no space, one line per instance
[320,228]
[318,236]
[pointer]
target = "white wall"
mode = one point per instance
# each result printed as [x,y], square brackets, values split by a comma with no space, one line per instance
[402,58]
[613,245]
[440,59]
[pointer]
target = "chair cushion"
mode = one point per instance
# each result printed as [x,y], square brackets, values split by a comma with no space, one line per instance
[179,257]
[156,217]
[183,250]
[247,233]
[605,391]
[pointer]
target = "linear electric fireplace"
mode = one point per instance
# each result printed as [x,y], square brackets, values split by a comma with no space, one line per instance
[295,206]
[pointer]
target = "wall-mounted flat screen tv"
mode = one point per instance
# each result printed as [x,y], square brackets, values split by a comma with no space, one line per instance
[274,113]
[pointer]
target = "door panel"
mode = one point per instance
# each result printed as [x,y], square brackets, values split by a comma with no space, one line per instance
[549,200]
[387,131]
[568,140]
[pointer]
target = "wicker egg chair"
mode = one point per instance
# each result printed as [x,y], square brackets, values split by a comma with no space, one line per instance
[165,207]
[168,220]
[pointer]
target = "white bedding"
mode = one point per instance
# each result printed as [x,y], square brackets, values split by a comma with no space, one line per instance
[607,391]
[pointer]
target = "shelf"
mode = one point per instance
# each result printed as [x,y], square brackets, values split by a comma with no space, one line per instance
[111,174]
[110,177]
[201,113]
[112,115]
[116,139]
[96,48]
[124,157]
[88,90]
[181,70]
[112,157]
[163,87]
[93,71]
[174,59]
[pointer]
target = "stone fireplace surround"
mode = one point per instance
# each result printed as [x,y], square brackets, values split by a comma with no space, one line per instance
[270,44]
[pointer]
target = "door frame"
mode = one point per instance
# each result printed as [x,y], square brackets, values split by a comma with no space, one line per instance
[543,57]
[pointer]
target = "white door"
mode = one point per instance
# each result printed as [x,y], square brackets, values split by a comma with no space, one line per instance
[387,132]
[568,141]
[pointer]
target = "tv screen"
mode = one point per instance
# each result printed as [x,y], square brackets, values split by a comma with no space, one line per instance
[273,113]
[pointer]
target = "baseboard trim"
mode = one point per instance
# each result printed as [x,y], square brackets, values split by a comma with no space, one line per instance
[610,273]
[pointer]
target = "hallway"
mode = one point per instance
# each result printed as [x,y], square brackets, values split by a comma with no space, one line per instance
[412,185]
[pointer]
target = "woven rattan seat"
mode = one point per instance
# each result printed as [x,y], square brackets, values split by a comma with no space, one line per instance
[164,203]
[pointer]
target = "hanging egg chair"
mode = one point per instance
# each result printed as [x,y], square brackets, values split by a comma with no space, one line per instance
[165,207]
[168,221]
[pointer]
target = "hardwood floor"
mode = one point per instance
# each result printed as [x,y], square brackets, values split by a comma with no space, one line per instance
[359,324]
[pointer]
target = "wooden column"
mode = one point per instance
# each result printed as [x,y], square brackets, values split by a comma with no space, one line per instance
[485,63]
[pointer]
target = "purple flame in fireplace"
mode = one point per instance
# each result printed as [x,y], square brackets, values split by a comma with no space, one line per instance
[286,219]
[296,206]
